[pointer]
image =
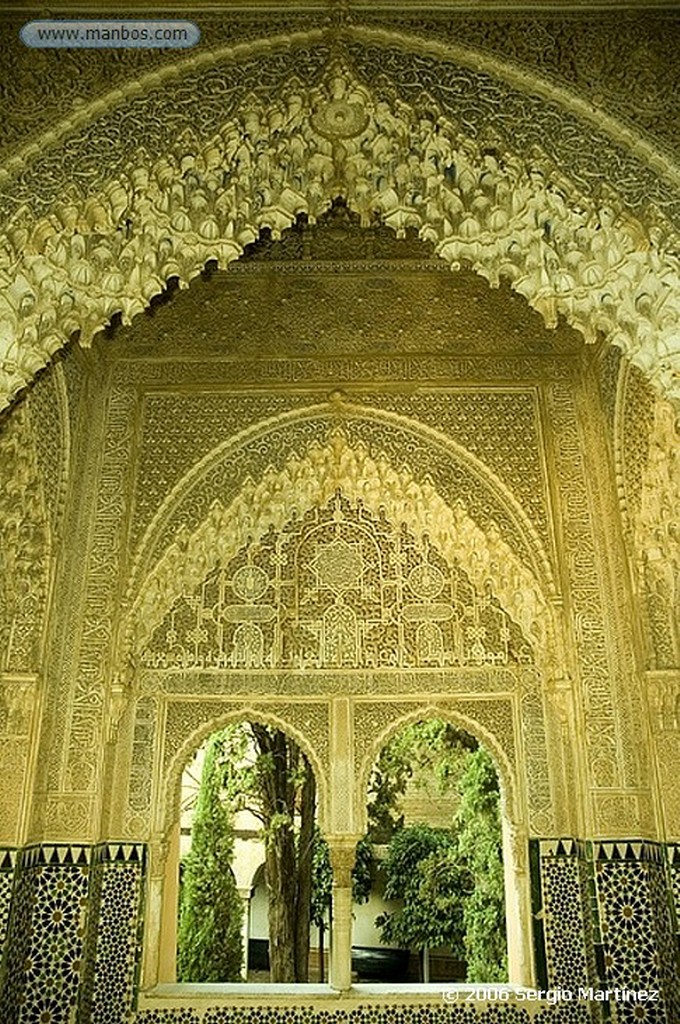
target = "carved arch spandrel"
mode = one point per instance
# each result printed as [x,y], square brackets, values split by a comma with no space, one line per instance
[306,722]
[311,479]
[511,215]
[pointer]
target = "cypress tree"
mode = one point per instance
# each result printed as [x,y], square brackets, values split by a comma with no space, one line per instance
[210,945]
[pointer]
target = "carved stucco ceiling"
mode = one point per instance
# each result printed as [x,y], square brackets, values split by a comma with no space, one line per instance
[97,224]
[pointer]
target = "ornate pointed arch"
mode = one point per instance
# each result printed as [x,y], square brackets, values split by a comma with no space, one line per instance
[309,479]
[212,719]
[314,422]
[513,800]
[72,260]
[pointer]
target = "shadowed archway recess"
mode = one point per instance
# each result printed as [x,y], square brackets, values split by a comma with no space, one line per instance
[160,207]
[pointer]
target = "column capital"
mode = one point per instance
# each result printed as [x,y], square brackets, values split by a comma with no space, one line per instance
[343,853]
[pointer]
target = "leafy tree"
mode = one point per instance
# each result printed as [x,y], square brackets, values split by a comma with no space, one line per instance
[421,873]
[322,888]
[322,879]
[427,752]
[363,871]
[211,912]
[267,773]
[451,880]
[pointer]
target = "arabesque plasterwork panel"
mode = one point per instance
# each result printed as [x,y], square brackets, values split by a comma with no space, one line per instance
[618,597]
[17,738]
[655,534]
[25,542]
[79,666]
[87,697]
[61,655]
[335,589]
[648,479]
[48,405]
[663,695]
[311,475]
[589,627]
[384,683]
[178,430]
[616,725]
[501,427]
[634,421]
[622,66]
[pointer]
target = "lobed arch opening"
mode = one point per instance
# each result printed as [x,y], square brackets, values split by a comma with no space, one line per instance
[514,822]
[159,964]
[513,801]
[172,774]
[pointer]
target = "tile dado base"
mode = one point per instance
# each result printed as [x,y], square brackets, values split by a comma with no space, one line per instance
[364,1004]
[71,933]
[636,926]
[604,917]
[70,925]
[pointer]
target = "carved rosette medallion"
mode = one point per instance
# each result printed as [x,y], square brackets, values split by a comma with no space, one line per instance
[340,120]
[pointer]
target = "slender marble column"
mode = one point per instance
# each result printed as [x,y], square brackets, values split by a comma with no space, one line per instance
[343,856]
[246,896]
